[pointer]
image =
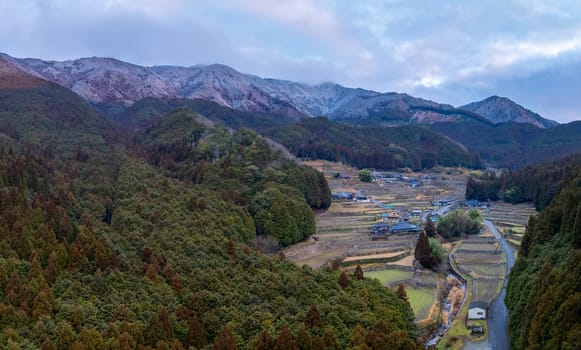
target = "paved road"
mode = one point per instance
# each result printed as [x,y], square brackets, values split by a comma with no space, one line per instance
[498,320]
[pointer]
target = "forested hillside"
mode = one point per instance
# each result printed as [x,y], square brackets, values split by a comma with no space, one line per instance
[112,243]
[372,146]
[364,147]
[513,145]
[544,289]
[51,115]
[145,112]
[537,183]
[469,140]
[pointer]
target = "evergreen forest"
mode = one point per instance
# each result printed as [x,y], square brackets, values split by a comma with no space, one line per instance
[544,288]
[155,238]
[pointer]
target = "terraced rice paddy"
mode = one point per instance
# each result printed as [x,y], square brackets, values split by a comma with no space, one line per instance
[421,301]
[481,269]
[484,264]
[477,258]
[515,214]
[511,220]
[388,277]
[427,278]
[372,258]
[343,232]
[485,289]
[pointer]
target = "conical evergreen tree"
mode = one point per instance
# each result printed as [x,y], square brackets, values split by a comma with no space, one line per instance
[430,227]
[400,291]
[226,340]
[285,340]
[304,339]
[358,338]
[263,342]
[196,336]
[358,274]
[423,252]
[344,280]
[313,318]
[330,339]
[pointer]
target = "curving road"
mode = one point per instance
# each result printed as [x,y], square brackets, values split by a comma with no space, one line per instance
[498,320]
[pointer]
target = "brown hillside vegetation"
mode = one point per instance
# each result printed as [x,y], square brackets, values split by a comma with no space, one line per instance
[11,77]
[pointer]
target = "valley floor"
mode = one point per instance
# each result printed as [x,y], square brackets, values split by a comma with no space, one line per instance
[343,238]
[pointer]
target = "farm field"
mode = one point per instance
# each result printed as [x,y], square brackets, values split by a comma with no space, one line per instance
[485,289]
[427,278]
[421,301]
[387,277]
[374,257]
[477,257]
[343,232]
[480,269]
[484,263]
[511,220]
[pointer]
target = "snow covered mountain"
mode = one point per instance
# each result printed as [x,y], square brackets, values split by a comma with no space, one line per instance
[107,80]
[501,109]
[101,79]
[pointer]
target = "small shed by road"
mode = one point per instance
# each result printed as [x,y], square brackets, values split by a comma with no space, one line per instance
[477,310]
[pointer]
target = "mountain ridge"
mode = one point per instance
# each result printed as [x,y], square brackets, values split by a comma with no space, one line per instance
[12,76]
[502,109]
[108,80]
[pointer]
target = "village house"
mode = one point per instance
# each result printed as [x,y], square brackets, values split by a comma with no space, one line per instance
[379,230]
[477,310]
[404,227]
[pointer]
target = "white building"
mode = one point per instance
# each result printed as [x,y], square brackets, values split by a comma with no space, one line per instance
[477,310]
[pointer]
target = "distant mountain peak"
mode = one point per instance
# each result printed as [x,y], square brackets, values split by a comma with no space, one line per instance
[500,109]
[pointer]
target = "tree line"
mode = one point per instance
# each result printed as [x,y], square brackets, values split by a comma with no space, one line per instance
[543,293]
[537,183]
[371,147]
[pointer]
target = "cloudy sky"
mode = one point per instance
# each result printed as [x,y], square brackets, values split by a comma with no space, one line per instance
[452,52]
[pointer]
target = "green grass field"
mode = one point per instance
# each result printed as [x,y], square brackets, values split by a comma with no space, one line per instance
[421,301]
[389,276]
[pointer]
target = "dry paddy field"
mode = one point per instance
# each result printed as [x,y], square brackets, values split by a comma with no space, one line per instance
[483,261]
[511,220]
[343,232]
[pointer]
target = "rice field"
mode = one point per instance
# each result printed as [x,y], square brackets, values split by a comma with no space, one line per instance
[477,260]
[511,214]
[481,269]
[485,289]
[343,231]
[421,301]
[387,277]
[485,247]
[427,278]
[470,258]
[363,258]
